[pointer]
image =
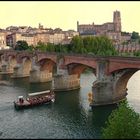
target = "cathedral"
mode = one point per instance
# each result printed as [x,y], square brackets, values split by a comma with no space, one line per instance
[109,29]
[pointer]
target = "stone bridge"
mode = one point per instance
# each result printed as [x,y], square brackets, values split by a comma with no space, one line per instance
[64,70]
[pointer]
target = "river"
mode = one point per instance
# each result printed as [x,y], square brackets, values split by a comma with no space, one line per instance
[68,117]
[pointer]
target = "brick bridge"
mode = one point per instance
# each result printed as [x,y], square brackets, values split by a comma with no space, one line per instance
[112,73]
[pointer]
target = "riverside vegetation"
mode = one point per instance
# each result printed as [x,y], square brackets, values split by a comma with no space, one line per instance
[123,123]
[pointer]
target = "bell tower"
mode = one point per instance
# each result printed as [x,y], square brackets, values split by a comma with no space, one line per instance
[77,26]
[117,21]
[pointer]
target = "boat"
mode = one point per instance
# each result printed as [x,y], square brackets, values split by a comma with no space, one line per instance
[34,99]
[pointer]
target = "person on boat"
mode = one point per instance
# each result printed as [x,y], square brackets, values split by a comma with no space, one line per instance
[21,100]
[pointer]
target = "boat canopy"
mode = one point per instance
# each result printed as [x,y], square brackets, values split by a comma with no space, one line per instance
[20,97]
[39,93]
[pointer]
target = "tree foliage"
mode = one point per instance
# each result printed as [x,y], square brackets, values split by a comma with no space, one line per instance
[135,35]
[77,44]
[41,46]
[21,45]
[123,123]
[137,53]
[95,45]
[82,45]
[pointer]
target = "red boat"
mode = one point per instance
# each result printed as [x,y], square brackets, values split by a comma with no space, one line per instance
[36,98]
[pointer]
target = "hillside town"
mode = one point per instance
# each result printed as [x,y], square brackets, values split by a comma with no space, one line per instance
[113,30]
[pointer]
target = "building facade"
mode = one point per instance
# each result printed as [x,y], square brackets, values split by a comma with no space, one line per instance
[109,29]
[11,39]
[3,44]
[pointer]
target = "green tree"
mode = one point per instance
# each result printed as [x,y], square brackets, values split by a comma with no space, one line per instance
[96,45]
[59,48]
[41,46]
[31,48]
[104,46]
[135,35]
[137,53]
[123,123]
[50,47]
[139,40]
[77,44]
[21,45]
[89,43]
[84,45]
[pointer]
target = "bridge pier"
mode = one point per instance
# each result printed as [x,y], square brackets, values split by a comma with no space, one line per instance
[62,81]
[105,94]
[37,76]
[22,69]
[6,69]
[19,72]
[67,82]
[7,65]
[109,89]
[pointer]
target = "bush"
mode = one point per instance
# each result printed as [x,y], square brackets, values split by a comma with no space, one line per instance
[123,123]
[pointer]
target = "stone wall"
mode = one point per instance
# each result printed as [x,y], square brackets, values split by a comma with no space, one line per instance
[68,82]
[40,76]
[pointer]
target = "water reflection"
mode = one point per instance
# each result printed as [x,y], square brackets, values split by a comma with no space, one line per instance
[35,87]
[21,83]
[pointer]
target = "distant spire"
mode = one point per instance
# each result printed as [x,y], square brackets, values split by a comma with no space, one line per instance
[77,26]
[40,26]
[77,22]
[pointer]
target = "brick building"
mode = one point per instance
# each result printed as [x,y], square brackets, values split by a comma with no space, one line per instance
[110,29]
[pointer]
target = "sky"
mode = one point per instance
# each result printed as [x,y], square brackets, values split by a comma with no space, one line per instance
[65,14]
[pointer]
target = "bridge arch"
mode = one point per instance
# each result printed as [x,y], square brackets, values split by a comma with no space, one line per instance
[78,68]
[123,63]
[26,65]
[12,62]
[12,58]
[122,77]
[46,64]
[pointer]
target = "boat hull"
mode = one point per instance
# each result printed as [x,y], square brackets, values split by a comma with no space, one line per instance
[24,106]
